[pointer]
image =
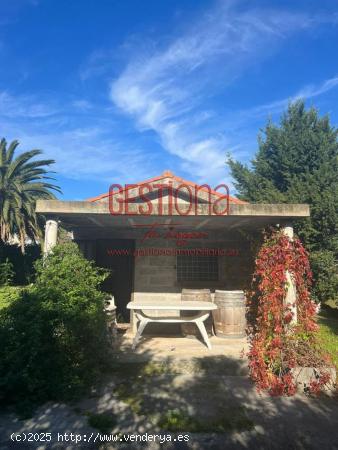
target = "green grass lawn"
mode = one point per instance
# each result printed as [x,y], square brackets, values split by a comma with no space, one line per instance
[328,321]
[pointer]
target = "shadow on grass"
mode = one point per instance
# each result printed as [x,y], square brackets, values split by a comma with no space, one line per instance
[329,316]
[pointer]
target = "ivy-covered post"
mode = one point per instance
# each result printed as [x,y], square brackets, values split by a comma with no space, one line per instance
[291,292]
[282,278]
[51,235]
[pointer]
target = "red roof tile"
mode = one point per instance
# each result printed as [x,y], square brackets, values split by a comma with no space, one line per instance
[166,174]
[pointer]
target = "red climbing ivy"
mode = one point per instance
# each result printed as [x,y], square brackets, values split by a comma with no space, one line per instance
[276,344]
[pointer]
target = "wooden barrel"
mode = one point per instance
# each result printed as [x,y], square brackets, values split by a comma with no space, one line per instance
[229,317]
[194,295]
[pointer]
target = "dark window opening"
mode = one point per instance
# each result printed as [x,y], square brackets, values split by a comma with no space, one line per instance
[197,268]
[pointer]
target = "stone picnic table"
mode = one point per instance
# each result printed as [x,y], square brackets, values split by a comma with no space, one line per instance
[203,309]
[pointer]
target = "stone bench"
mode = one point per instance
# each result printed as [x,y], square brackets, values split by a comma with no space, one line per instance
[203,310]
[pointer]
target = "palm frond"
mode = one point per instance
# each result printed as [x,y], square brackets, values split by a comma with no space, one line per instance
[3,144]
[22,183]
[10,151]
[20,161]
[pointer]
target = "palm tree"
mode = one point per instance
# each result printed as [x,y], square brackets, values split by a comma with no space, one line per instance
[22,182]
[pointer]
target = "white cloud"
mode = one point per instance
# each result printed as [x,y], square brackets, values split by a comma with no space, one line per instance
[23,106]
[313,90]
[96,64]
[166,90]
[85,146]
[307,92]
[82,105]
[82,153]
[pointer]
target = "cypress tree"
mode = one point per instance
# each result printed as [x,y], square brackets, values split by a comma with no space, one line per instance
[297,162]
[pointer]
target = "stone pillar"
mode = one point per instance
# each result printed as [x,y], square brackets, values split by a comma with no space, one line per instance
[51,235]
[291,293]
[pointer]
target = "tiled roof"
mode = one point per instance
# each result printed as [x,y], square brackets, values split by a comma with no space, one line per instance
[165,175]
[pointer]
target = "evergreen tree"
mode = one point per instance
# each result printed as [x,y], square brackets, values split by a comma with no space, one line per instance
[297,162]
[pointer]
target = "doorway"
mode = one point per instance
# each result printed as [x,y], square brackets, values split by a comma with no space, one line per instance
[117,255]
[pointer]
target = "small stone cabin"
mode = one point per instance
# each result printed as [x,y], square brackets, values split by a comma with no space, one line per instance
[165,234]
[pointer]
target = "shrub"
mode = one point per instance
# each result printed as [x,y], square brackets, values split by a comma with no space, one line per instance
[6,273]
[325,274]
[8,294]
[53,337]
[23,264]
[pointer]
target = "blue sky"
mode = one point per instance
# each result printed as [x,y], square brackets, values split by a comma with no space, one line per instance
[119,91]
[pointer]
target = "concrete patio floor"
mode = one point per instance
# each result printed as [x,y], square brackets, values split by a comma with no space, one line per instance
[176,346]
